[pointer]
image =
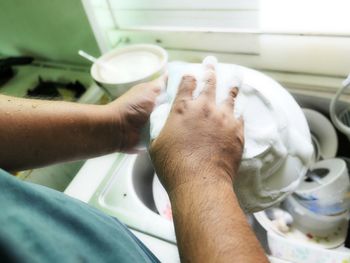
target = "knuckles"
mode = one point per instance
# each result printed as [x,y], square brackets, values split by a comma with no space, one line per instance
[180,106]
[206,110]
[233,92]
[210,77]
[188,79]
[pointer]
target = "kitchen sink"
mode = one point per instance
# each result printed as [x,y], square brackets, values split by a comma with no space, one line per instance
[126,193]
[121,186]
[142,178]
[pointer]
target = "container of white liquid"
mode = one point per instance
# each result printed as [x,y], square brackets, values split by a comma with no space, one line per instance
[122,68]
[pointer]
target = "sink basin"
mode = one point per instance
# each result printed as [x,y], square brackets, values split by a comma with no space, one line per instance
[142,178]
[126,193]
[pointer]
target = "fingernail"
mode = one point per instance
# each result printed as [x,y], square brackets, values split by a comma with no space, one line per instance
[210,62]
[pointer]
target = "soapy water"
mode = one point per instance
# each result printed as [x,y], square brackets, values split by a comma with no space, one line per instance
[278,146]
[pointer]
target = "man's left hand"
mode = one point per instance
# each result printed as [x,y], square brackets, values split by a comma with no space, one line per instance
[132,111]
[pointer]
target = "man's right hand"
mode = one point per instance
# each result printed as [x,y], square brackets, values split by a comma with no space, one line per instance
[198,136]
[196,156]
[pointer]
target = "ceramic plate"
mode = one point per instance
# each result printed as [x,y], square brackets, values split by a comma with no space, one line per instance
[332,241]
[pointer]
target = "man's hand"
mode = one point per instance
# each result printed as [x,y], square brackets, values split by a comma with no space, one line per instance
[196,156]
[41,132]
[132,111]
[199,136]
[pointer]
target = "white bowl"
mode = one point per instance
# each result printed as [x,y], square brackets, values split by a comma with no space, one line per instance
[133,65]
[316,225]
[325,192]
[323,233]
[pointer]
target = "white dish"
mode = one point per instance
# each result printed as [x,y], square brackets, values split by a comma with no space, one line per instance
[318,228]
[298,233]
[300,252]
[323,133]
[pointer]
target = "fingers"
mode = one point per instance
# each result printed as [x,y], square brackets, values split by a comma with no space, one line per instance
[161,82]
[209,89]
[186,88]
[230,100]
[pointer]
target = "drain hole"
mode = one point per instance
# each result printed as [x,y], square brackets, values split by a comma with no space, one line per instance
[319,173]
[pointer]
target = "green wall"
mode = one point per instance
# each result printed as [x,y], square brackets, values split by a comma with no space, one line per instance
[51,30]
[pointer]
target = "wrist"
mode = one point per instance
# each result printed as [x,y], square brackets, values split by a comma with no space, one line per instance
[197,196]
[108,122]
[209,179]
[175,172]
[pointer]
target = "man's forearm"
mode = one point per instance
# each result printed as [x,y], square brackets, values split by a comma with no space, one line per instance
[210,225]
[34,133]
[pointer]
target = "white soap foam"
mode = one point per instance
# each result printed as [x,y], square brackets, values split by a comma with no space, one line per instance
[130,66]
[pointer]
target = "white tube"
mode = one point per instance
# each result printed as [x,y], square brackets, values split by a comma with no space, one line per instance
[332,109]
